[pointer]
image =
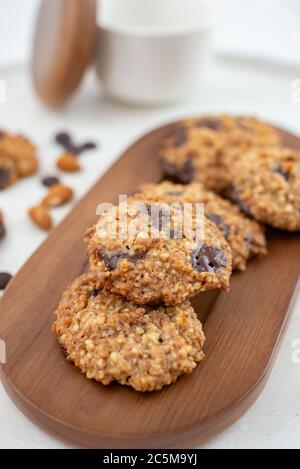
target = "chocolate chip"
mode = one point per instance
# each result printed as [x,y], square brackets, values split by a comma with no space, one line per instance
[179,136]
[4,177]
[112,261]
[220,223]
[86,146]
[208,259]
[156,304]
[4,279]
[65,140]
[49,181]
[280,170]
[2,230]
[95,292]
[181,175]
[233,194]
[212,124]
[2,134]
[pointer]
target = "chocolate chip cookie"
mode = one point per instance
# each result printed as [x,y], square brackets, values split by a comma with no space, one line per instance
[204,149]
[266,183]
[153,256]
[245,237]
[17,158]
[111,339]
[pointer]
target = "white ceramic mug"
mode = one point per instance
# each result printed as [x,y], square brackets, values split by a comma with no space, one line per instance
[153,51]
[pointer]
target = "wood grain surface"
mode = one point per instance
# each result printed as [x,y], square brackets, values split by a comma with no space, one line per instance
[243,330]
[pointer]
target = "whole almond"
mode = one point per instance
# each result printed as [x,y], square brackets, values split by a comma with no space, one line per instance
[41,217]
[67,162]
[58,195]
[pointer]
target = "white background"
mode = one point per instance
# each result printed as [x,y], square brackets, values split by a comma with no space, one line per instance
[257,59]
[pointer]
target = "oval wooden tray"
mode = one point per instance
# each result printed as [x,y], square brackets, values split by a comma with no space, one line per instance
[243,330]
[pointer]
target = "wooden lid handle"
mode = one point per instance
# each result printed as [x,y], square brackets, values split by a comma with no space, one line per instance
[64,45]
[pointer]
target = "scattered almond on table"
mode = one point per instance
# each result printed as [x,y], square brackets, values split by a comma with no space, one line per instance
[58,195]
[68,162]
[41,217]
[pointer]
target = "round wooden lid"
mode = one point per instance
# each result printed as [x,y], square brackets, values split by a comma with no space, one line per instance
[64,45]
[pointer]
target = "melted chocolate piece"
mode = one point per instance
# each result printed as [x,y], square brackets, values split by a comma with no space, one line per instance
[95,292]
[208,259]
[156,304]
[233,194]
[181,175]
[4,177]
[2,133]
[280,170]
[179,136]
[112,260]
[212,124]
[220,223]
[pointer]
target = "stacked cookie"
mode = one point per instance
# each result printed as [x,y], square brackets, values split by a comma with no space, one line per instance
[130,319]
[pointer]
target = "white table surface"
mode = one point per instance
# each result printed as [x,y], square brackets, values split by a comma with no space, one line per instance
[274,420]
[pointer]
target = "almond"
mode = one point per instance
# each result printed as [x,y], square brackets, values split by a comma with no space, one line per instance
[58,195]
[67,162]
[41,217]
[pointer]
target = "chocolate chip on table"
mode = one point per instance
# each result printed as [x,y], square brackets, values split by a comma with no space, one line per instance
[220,223]
[4,279]
[4,177]
[112,260]
[65,140]
[280,170]
[49,181]
[208,258]
[179,175]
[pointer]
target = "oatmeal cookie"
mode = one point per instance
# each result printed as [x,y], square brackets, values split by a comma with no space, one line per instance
[17,158]
[154,257]
[245,237]
[111,339]
[204,149]
[266,183]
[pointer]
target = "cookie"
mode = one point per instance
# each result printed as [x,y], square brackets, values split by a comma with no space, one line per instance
[111,339]
[266,183]
[153,258]
[204,149]
[17,158]
[245,237]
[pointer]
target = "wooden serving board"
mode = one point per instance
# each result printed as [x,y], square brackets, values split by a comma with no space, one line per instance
[243,330]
